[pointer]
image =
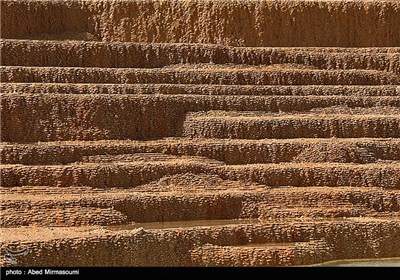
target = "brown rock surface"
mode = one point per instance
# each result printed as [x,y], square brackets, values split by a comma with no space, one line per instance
[148,133]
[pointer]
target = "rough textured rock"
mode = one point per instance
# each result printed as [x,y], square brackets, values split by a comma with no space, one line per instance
[199,133]
[262,22]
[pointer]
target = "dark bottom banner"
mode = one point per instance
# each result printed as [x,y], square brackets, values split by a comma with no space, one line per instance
[88,272]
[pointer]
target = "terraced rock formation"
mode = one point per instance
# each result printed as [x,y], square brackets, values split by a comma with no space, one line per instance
[147,133]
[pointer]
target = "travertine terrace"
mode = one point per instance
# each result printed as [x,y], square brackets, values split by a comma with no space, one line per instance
[199,132]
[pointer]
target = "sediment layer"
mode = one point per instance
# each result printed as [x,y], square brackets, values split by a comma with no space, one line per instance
[206,75]
[148,244]
[147,133]
[205,89]
[262,22]
[234,151]
[94,117]
[140,55]
[134,174]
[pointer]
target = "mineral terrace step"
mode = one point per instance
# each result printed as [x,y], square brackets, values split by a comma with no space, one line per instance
[189,186]
[276,212]
[262,254]
[131,174]
[381,91]
[258,126]
[98,117]
[65,216]
[69,245]
[313,174]
[189,74]
[138,55]
[269,23]
[234,151]
[201,209]
[187,197]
